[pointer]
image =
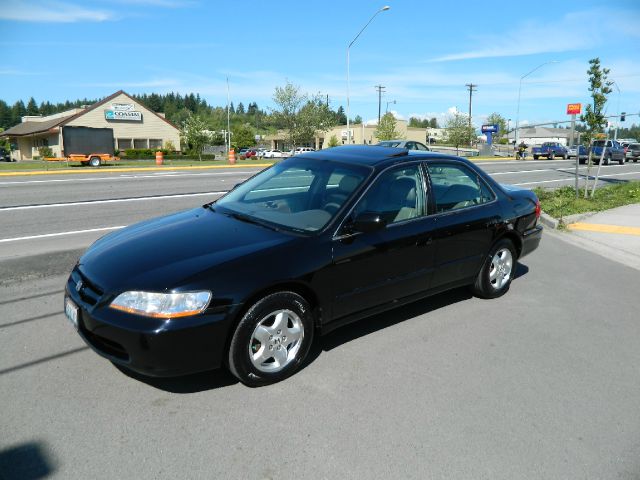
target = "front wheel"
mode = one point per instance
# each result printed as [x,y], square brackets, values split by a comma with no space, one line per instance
[535,157]
[621,161]
[496,274]
[607,160]
[552,156]
[565,157]
[94,161]
[272,339]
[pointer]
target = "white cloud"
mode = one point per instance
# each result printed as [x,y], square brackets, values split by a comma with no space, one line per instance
[580,30]
[51,11]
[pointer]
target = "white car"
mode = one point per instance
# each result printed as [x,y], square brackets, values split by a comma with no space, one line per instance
[272,154]
[300,150]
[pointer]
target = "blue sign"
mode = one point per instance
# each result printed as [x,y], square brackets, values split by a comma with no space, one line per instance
[490,128]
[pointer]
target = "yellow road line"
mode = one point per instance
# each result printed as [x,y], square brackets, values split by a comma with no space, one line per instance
[17,173]
[595,227]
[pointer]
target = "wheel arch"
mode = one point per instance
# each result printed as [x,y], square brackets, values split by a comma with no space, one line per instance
[514,238]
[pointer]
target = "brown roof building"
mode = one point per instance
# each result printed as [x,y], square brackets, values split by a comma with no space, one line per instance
[133,125]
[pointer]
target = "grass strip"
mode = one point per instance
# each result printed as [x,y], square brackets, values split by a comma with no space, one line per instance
[562,202]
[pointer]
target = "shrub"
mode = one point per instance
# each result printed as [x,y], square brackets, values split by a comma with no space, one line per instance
[45,152]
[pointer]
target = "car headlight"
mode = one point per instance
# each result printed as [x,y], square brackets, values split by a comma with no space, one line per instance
[162,305]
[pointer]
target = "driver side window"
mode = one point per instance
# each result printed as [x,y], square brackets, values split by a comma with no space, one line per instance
[397,195]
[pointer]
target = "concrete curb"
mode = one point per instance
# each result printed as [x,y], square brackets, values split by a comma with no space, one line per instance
[548,221]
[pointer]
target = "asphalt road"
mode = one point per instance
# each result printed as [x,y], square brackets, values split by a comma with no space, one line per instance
[539,384]
[41,214]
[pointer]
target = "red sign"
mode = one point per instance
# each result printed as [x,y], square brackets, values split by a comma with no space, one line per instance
[574,109]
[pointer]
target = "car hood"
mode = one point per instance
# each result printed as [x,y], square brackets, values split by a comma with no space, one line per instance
[159,254]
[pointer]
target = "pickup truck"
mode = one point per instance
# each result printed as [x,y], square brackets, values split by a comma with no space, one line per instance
[550,150]
[579,151]
[613,151]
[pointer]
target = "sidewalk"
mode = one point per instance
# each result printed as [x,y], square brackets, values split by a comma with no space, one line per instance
[614,234]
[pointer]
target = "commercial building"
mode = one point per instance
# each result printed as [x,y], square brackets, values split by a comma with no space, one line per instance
[539,135]
[361,134]
[133,125]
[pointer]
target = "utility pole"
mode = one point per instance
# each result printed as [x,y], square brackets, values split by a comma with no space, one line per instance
[472,88]
[380,89]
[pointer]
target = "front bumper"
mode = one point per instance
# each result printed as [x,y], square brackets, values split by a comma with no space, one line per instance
[153,347]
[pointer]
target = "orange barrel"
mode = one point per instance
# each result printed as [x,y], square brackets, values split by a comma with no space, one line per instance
[232,156]
[159,158]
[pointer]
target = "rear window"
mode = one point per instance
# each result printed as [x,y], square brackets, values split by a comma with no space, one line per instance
[598,143]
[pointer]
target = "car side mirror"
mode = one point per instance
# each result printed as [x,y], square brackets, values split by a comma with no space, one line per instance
[368,222]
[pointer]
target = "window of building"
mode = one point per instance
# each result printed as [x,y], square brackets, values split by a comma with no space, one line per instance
[124,143]
[140,143]
[155,143]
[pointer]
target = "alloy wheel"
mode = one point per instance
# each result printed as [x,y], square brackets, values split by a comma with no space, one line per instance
[276,340]
[500,270]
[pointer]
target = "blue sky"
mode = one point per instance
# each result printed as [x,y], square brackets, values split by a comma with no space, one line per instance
[423,52]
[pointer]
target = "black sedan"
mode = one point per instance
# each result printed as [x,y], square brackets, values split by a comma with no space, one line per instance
[303,247]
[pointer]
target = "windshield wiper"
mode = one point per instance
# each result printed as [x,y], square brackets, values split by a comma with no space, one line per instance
[249,219]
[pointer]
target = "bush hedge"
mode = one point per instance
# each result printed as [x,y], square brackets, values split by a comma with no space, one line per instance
[147,153]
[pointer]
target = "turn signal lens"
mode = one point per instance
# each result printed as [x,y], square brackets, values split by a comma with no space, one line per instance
[538,209]
[162,305]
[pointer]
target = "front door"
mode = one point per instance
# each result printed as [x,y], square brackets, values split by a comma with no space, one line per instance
[370,269]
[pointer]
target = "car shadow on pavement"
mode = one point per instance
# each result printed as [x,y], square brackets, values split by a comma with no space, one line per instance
[27,461]
[197,382]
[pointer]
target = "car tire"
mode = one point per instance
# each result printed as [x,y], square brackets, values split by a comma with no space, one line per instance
[565,157]
[272,339]
[607,160]
[535,157]
[495,276]
[621,161]
[95,161]
[551,156]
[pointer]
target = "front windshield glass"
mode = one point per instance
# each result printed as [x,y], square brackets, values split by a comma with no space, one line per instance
[297,194]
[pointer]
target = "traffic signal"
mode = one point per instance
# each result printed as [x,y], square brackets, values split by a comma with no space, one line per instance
[622,116]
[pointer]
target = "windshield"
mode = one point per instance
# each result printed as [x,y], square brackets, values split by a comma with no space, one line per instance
[598,143]
[297,194]
[389,144]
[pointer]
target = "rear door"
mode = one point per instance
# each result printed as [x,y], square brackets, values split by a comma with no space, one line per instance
[467,215]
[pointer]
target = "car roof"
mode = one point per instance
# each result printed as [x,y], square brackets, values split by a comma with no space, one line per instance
[375,155]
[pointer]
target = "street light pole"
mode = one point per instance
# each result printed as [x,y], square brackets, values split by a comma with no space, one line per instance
[387,109]
[615,134]
[517,135]
[386,7]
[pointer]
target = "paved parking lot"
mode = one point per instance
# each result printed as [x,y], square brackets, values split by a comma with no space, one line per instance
[541,383]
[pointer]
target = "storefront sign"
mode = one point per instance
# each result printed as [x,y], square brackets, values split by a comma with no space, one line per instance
[123,107]
[574,109]
[492,128]
[345,133]
[126,115]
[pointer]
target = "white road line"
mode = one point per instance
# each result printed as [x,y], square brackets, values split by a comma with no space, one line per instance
[559,169]
[115,200]
[60,234]
[124,177]
[572,179]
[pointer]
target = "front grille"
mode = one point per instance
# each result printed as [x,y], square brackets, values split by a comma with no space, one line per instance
[88,291]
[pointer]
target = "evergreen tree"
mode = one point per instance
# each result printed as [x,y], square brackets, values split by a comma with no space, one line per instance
[32,107]
[17,112]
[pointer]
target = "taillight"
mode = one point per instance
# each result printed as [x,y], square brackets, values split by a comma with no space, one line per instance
[538,208]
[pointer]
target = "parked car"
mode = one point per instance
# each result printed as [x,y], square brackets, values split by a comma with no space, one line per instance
[550,150]
[613,151]
[572,152]
[272,154]
[633,152]
[5,156]
[310,244]
[408,144]
[300,150]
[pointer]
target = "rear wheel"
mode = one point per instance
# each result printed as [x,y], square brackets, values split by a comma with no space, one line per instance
[94,161]
[565,156]
[607,160]
[272,339]
[496,274]
[621,161]
[535,157]
[552,156]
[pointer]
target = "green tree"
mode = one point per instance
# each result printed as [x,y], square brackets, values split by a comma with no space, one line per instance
[594,117]
[242,135]
[195,134]
[32,107]
[458,131]
[299,115]
[386,129]
[433,123]
[333,141]
[341,118]
[357,120]
[17,112]
[497,119]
